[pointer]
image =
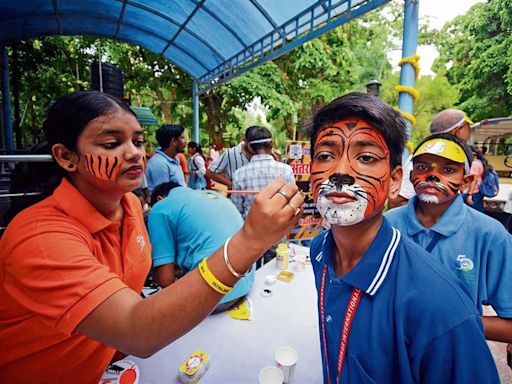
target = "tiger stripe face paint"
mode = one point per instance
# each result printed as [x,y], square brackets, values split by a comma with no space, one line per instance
[350,172]
[436,179]
[102,167]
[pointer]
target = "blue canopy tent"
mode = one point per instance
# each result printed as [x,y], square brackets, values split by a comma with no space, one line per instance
[212,40]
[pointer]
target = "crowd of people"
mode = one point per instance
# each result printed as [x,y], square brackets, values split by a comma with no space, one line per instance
[401,304]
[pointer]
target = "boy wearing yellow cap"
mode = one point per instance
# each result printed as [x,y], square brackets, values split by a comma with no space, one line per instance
[472,246]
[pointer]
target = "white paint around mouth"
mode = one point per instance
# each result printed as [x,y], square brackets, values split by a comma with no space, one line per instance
[342,214]
[428,198]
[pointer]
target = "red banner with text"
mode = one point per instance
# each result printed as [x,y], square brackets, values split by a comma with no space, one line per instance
[298,156]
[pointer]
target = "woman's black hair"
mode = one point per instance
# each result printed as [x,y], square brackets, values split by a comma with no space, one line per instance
[197,147]
[384,118]
[69,115]
[66,120]
[466,148]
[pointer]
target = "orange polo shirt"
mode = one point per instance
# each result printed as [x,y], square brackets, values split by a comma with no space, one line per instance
[59,260]
[183,162]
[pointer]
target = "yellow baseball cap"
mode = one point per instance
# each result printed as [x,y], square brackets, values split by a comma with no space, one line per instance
[445,148]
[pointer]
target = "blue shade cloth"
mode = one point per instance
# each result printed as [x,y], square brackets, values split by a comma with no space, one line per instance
[210,40]
[188,226]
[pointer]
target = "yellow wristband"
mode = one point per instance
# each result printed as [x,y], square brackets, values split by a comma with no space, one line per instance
[211,280]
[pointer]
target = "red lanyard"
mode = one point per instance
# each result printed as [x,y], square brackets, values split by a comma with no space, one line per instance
[353,303]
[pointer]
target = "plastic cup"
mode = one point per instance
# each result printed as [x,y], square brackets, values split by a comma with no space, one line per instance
[271,375]
[286,359]
[300,263]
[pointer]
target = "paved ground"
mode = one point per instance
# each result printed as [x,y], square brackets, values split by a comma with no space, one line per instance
[500,355]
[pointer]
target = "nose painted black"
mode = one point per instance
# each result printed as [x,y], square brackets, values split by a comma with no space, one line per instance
[432,178]
[340,179]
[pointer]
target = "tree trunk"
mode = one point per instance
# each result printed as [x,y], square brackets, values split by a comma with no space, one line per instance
[289,125]
[165,105]
[216,120]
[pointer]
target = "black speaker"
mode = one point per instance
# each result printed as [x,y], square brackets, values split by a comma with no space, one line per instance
[111,76]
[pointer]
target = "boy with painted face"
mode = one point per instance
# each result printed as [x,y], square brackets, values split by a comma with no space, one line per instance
[387,312]
[472,246]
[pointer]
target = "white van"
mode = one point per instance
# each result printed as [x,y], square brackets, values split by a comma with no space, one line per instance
[496,135]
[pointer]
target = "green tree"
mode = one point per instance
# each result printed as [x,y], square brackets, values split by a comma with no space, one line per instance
[435,93]
[296,84]
[477,49]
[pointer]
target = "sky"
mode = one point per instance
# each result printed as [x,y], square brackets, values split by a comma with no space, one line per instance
[440,12]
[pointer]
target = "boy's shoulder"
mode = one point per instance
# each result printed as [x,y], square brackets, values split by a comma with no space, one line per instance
[397,213]
[418,273]
[317,243]
[484,223]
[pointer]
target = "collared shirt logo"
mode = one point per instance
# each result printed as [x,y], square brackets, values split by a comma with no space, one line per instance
[465,263]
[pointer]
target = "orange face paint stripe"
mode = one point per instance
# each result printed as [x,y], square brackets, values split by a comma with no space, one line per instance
[347,132]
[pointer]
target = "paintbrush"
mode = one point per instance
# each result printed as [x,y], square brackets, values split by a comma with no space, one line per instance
[245,192]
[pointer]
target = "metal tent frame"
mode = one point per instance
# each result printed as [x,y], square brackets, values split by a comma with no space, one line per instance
[212,40]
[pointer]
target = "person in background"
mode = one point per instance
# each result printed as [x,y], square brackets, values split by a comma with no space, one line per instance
[72,266]
[183,161]
[223,169]
[139,192]
[508,210]
[214,152]
[474,197]
[452,121]
[186,226]
[472,246]
[387,312]
[197,166]
[145,190]
[260,171]
[164,165]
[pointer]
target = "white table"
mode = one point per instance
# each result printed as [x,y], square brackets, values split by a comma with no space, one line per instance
[239,348]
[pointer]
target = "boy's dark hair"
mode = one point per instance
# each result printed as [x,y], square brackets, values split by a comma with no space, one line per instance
[455,139]
[258,133]
[162,190]
[370,108]
[166,133]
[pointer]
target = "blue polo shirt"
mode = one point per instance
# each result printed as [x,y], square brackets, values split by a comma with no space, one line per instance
[472,246]
[414,322]
[162,168]
[189,225]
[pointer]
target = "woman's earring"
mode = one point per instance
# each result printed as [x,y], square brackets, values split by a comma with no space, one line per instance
[70,166]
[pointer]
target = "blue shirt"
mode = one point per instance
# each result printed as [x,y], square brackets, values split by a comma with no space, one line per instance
[162,168]
[189,225]
[472,246]
[414,323]
[255,176]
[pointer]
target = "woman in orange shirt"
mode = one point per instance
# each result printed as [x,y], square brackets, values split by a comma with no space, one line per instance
[73,265]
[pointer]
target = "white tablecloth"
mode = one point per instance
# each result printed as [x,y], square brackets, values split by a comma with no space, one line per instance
[239,349]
